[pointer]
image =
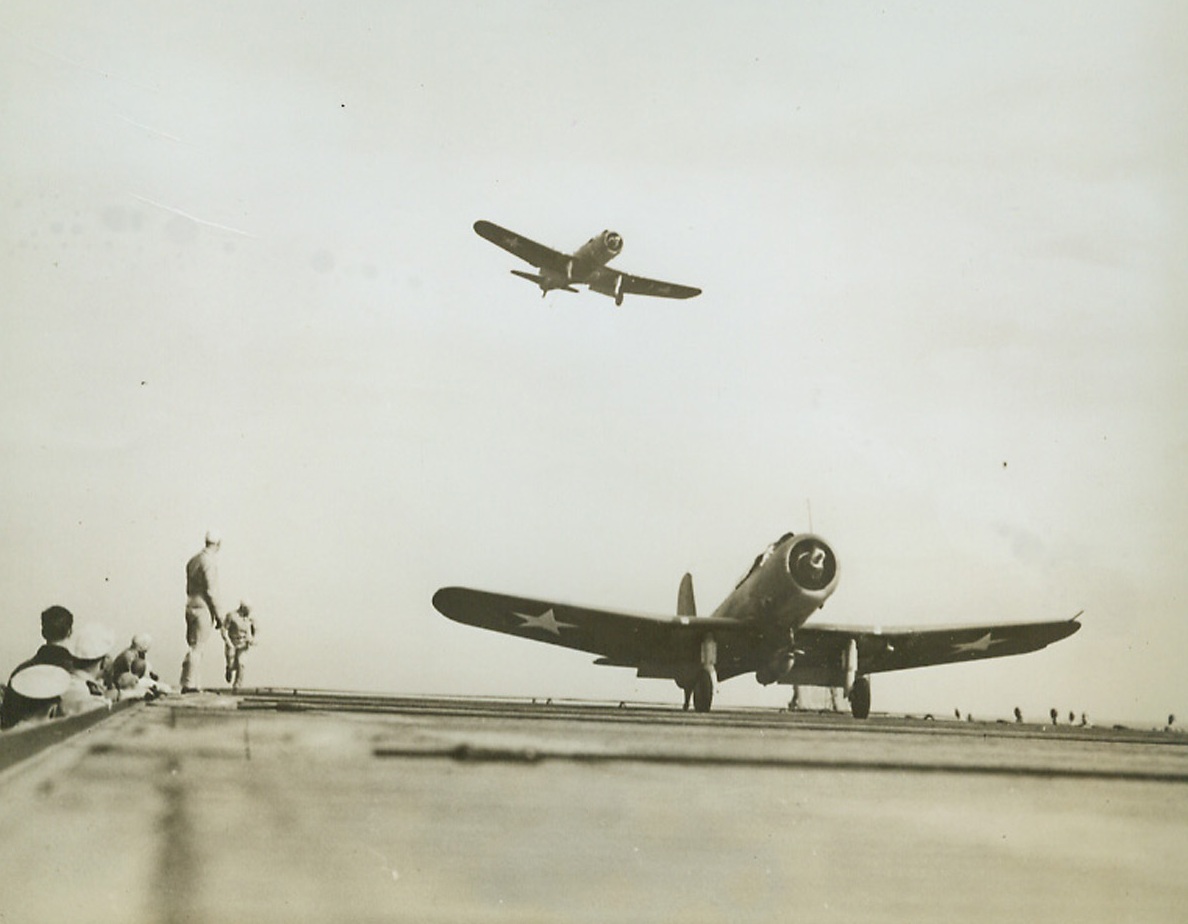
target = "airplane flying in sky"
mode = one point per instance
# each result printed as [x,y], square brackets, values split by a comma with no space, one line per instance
[761,627]
[585,266]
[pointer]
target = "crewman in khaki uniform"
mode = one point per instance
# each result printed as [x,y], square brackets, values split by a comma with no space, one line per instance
[202,608]
[239,634]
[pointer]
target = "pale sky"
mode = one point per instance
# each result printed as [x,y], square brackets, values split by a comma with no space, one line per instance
[941,248]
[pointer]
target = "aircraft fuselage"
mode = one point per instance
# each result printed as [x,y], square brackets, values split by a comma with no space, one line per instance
[591,256]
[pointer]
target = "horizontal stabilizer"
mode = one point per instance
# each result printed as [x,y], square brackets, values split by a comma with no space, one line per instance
[541,281]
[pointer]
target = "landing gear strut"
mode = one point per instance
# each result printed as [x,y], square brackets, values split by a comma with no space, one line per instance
[707,676]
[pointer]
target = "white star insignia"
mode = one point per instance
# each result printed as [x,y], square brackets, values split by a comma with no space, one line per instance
[981,644]
[546,620]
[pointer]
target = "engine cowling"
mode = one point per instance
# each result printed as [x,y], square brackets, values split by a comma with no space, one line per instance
[598,250]
[811,564]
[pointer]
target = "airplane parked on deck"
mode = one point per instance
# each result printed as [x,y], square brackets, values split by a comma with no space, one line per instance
[762,626]
[585,266]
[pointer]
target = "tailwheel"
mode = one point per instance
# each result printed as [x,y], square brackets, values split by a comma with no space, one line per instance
[860,697]
[703,691]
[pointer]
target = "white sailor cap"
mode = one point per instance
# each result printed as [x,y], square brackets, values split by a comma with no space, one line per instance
[40,681]
[213,537]
[91,642]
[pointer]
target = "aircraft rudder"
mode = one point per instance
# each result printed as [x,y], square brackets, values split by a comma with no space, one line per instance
[686,605]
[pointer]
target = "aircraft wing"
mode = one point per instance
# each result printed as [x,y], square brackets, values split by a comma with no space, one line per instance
[622,639]
[537,254]
[609,281]
[638,285]
[897,649]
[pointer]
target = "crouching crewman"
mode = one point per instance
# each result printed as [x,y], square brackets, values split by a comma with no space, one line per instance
[239,634]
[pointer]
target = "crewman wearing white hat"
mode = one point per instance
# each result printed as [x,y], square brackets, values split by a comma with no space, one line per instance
[57,623]
[33,693]
[90,646]
[202,608]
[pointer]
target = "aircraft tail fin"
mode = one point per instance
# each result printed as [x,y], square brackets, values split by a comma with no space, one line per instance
[686,605]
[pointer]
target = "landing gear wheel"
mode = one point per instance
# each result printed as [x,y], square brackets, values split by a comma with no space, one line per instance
[860,698]
[703,692]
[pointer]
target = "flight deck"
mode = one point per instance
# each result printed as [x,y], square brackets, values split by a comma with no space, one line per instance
[293,805]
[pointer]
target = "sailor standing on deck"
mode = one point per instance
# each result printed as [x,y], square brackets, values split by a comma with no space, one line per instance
[202,608]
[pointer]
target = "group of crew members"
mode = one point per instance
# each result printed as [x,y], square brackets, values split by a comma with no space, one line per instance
[75,672]
[79,670]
